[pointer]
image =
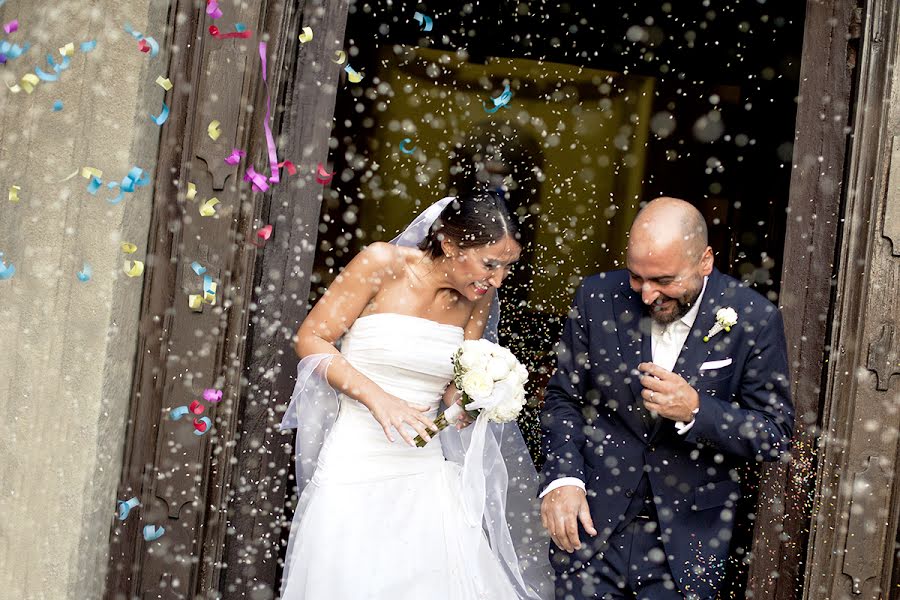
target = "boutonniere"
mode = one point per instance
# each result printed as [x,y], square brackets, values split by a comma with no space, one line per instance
[726,318]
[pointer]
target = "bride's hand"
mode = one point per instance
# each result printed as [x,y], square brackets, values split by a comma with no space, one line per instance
[464,419]
[392,412]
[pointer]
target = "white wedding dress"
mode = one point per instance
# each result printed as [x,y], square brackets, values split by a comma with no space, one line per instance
[382,520]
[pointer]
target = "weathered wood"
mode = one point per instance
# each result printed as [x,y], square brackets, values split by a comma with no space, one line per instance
[261,482]
[814,215]
[851,554]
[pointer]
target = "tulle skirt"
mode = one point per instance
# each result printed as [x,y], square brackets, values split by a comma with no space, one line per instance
[385,521]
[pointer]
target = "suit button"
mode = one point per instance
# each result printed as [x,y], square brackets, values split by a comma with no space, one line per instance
[629,493]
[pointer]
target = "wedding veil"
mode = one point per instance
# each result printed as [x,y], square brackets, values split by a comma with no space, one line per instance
[499,481]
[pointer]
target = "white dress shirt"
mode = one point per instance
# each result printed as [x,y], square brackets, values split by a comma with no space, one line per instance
[666,342]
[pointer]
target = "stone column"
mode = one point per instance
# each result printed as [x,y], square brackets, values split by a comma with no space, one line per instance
[67,347]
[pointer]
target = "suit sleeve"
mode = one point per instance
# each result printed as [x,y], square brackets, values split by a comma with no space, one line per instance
[562,420]
[760,424]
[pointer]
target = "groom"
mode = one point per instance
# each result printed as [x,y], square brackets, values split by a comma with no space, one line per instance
[670,376]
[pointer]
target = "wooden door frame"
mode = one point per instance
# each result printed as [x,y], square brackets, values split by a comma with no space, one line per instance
[241,550]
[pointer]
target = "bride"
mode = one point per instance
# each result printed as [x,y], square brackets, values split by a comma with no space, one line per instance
[377,516]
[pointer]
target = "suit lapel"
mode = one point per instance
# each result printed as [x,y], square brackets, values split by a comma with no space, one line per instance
[633,330]
[695,351]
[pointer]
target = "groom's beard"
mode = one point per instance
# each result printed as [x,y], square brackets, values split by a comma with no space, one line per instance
[683,306]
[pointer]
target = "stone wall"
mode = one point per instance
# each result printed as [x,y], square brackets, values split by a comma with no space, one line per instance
[67,348]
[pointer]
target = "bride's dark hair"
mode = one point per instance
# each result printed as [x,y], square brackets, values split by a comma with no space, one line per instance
[473,220]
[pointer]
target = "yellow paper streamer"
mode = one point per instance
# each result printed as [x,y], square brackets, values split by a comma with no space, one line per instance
[88,172]
[208,208]
[307,35]
[195,301]
[164,83]
[134,268]
[340,57]
[14,193]
[68,49]
[29,80]
[213,130]
[352,75]
[192,191]
[209,296]
[128,248]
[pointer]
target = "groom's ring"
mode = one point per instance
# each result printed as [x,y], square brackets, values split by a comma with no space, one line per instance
[651,396]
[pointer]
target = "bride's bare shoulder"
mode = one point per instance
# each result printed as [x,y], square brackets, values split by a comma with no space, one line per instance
[388,258]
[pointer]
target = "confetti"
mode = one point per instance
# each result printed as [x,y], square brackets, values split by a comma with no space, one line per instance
[235,157]
[88,172]
[289,165]
[164,83]
[125,507]
[500,101]
[14,193]
[67,50]
[28,81]
[352,75]
[135,178]
[209,290]
[213,130]
[6,271]
[85,273]
[306,35]
[88,46]
[340,57]
[274,176]
[11,26]
[196,407]
[178,412]
[143,46]
[202,425]
[198,268]
[152,532]
[192,191]
[145,43]
[425,22]
[263,234]
[259,181]
[93,185]
[323,176]
[11,51]
[213,10]
[240,27]
[403,147]
[57,106]
[212,395]
[195,302]
[134,268]
[128,248]
[162,117]
[208,207]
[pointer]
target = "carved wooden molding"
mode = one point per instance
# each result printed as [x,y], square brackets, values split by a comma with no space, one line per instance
[891,226]
[865,530]
[884,357]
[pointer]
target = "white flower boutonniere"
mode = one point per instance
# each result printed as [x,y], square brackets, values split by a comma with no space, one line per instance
[726,318]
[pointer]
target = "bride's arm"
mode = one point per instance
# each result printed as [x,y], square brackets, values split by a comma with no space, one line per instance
[334,314]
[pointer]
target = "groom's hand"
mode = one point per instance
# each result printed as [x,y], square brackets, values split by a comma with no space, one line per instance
[667,394]
[561,510]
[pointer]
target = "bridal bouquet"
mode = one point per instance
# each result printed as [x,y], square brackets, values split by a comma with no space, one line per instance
[491,380]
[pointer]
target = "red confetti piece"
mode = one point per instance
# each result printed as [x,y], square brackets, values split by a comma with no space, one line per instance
[196,407]
[144,46]
[323,176]
[214,31]
[290,167]
[201,425]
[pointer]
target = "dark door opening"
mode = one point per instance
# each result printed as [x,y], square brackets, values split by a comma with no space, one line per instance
[612,104]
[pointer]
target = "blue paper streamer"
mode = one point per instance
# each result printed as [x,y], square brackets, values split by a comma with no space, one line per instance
[239,27]
[152,532]
[424,21]
[6,270]
[207,284]
[94,185]
[125,507]
[500,101]
[178,412]
[88,46]
[57,106]
[163,116]
[85,273]
[403,147]
[198,268]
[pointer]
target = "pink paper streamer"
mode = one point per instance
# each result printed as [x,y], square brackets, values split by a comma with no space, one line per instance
[235,157]
[270,139]
[213,10]
[11,26]
[258,180]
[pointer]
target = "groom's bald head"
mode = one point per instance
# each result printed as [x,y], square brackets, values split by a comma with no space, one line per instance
[670,224]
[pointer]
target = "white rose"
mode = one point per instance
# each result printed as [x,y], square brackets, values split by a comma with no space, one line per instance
[511,399]
[521,374]
[498,367]
[477,384]
[727,317]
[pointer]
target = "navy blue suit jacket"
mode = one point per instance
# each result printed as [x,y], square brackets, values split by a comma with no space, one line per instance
[592,431]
